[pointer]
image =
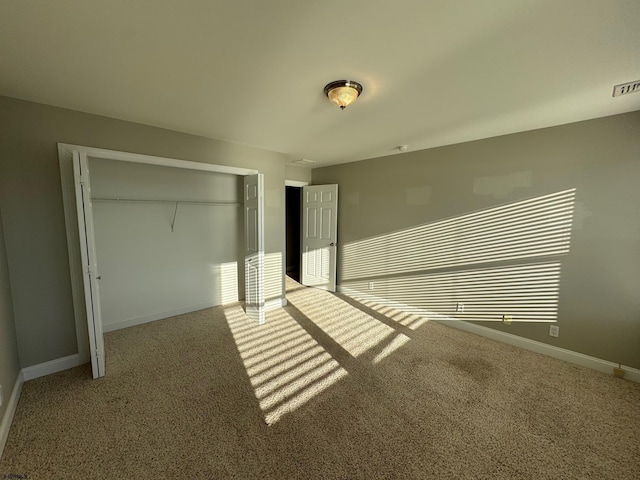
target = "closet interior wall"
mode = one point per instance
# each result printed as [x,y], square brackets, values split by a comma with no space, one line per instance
[168,240]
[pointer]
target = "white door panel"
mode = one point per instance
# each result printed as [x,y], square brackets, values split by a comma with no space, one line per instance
[89,262]
[254,246]
[319,236]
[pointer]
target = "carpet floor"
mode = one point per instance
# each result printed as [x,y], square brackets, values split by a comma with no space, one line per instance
[327,389]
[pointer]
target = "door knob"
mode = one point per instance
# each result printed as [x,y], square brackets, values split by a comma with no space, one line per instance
[333,244]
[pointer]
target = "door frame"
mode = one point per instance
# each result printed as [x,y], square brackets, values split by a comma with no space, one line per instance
[295,183]
[65,156]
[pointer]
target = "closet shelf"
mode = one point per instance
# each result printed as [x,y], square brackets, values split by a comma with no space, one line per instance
[150,200]
[170,202]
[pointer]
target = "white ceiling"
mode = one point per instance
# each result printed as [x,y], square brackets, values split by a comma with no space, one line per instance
[252,71]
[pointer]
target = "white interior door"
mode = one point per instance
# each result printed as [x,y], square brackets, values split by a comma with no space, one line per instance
[254,246]
[319,236]
[89,263]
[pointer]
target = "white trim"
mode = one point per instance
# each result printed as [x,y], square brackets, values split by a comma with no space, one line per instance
[132,322]
[295,183]
[9,413]
[151,160]
[570,356]
[65,158]
[53,366]
[356,294]
[274,304]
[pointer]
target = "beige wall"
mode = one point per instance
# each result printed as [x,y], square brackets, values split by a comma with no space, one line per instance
[31,201]
[299,174]
[598,306]
[9,364]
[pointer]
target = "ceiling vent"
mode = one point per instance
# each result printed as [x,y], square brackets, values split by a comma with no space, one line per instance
[624,88]
[304,161]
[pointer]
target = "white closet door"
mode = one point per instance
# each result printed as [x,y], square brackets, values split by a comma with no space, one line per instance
[254,246]
[89,263]
[319,236]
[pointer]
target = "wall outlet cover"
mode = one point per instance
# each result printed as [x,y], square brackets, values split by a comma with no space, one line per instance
[554,330]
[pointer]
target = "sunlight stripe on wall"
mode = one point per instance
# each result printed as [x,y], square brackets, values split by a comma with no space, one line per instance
[531,228]
[441,267]
[528,293]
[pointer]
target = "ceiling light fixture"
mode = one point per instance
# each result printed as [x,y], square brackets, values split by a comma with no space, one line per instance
[343,92]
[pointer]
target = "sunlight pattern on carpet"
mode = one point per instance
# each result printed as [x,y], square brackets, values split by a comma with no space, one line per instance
[354,330]
[285,365]
[403,318]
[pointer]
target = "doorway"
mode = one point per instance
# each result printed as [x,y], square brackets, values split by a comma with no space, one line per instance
[293,212]
[311,234]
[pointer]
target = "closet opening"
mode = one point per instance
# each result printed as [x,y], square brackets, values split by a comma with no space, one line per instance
[157,237]
[293,208]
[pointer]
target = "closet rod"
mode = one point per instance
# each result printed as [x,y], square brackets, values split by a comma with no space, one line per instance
[186,202]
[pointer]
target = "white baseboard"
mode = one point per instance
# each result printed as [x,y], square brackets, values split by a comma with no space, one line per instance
[275,303]
[132,322]
[54,366]
[272,304]
[9,413]
[570,356]
[30,373]
[358,295]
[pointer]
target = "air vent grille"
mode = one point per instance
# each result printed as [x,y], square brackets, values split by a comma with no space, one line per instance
[624,88]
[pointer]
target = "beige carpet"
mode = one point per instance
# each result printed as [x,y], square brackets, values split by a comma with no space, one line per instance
[327,389]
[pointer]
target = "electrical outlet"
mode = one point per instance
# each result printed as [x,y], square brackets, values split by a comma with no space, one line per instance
[370,285]
[554,330]
[506,319]
[459,307]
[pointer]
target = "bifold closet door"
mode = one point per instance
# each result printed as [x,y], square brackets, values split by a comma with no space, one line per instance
[254,246]
[90,273]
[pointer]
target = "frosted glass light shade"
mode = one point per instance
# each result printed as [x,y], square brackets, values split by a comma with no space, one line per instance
[343,92]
